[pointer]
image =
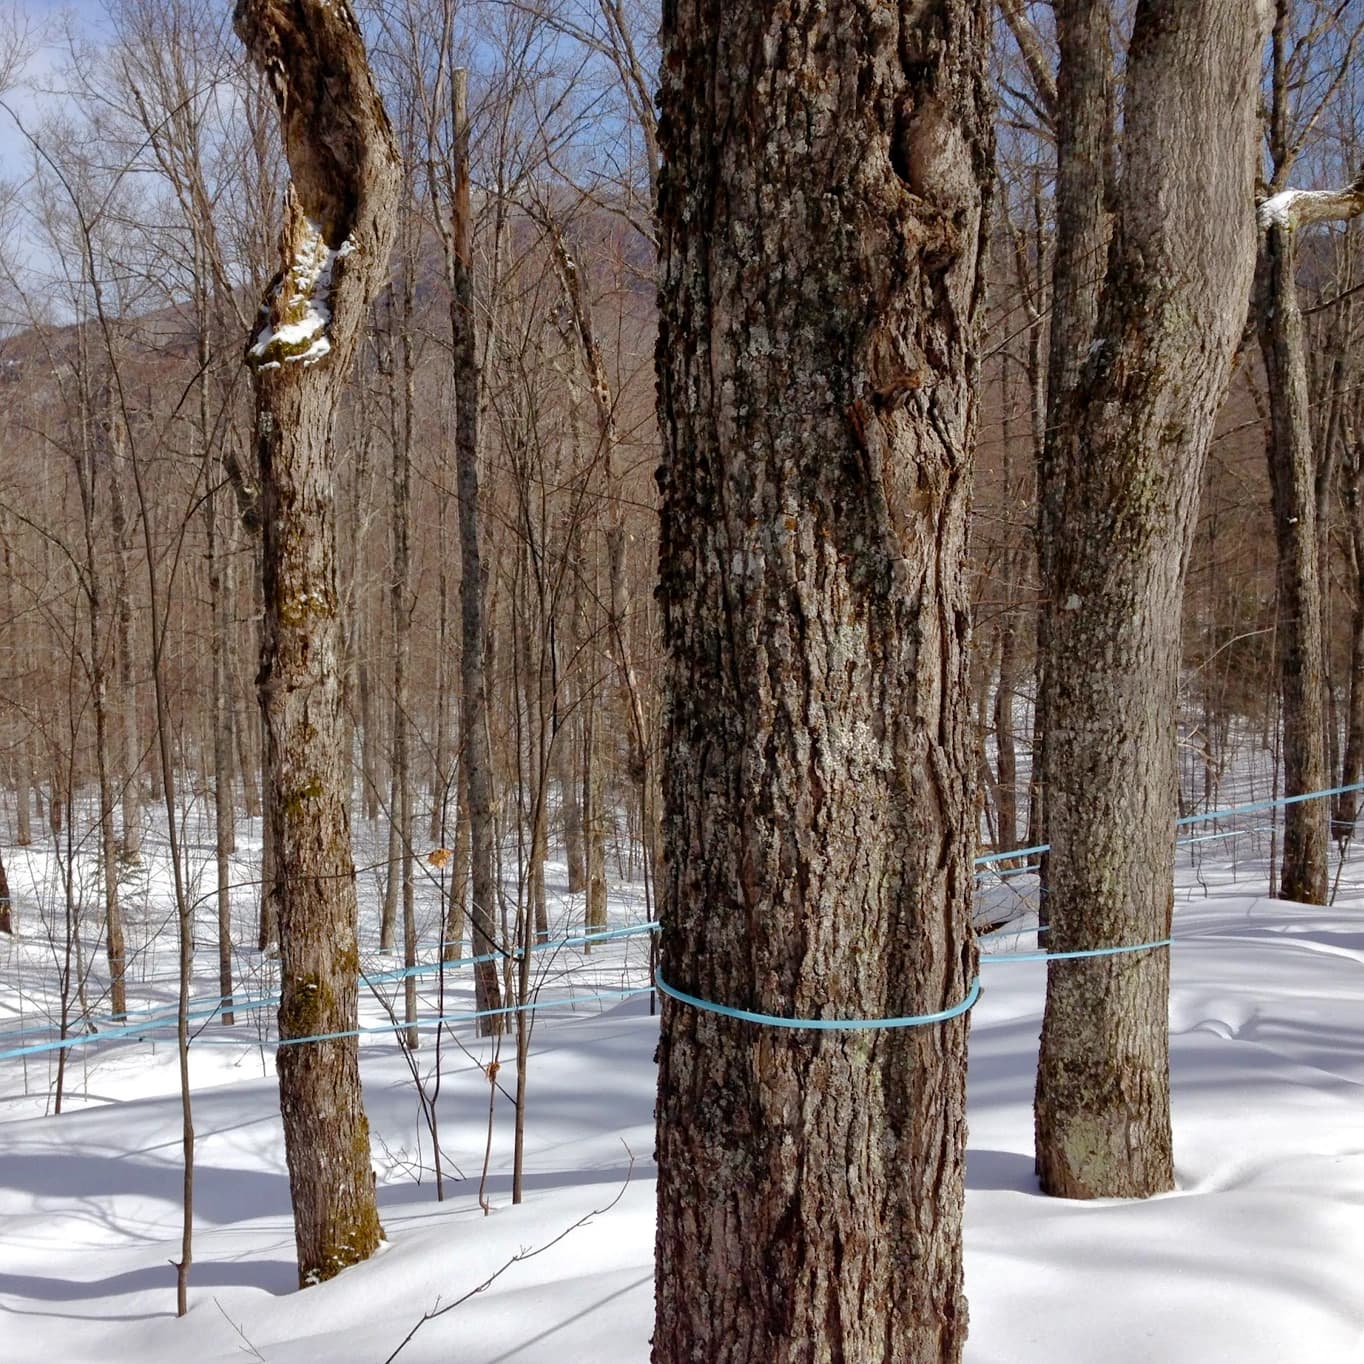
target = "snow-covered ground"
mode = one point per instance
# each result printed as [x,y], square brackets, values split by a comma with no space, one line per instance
[1257,1258]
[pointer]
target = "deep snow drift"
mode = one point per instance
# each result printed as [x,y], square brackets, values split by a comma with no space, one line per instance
[1257,1258]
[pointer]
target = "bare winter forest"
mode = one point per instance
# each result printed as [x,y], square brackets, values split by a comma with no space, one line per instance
[455,500]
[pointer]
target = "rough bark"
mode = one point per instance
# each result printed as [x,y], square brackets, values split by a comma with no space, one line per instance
[337,236]
[1128,448]
[822,216]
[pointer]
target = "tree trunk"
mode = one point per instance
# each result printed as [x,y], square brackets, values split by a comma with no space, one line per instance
[130,849]
[1010,662]
[388,911]
[99,686]
[224,823]
[618,600]
[402,812]
[473,713]
[1084,122]
[26,790]
[437,829]
[267,925]
[369,766]
[567,751]
[337,236]
[594,827]
[1352,764]
[1128,449]
[532,644]
[456,912]
[822,221]
[1299,480]
[245,727]
[6,906]
[1292,476]
[576,689]
[58,797]
[23,749]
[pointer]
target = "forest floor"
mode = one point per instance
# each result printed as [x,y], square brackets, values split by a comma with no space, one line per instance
[1256,1258]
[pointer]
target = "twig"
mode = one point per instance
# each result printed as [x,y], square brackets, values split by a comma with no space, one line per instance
[425,1098]
[246,1347]
[521,1255]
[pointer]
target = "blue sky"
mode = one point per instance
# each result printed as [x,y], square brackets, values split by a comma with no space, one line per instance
[29,100]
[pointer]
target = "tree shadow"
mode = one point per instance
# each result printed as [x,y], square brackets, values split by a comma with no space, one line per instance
[1000,1172]
[276,1277]
[221,1195]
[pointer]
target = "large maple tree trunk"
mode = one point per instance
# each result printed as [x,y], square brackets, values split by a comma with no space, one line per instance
[1126,459]
[337,236]
[821,211]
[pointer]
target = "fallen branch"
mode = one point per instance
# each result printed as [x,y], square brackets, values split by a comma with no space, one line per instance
[246,1347]
[521,1255]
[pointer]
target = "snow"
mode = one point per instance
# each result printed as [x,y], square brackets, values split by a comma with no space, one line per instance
[1256,1258]
[1277,210]
[306,292]
[1296,207]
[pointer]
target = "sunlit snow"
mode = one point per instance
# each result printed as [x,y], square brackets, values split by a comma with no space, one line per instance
[1256,1258]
